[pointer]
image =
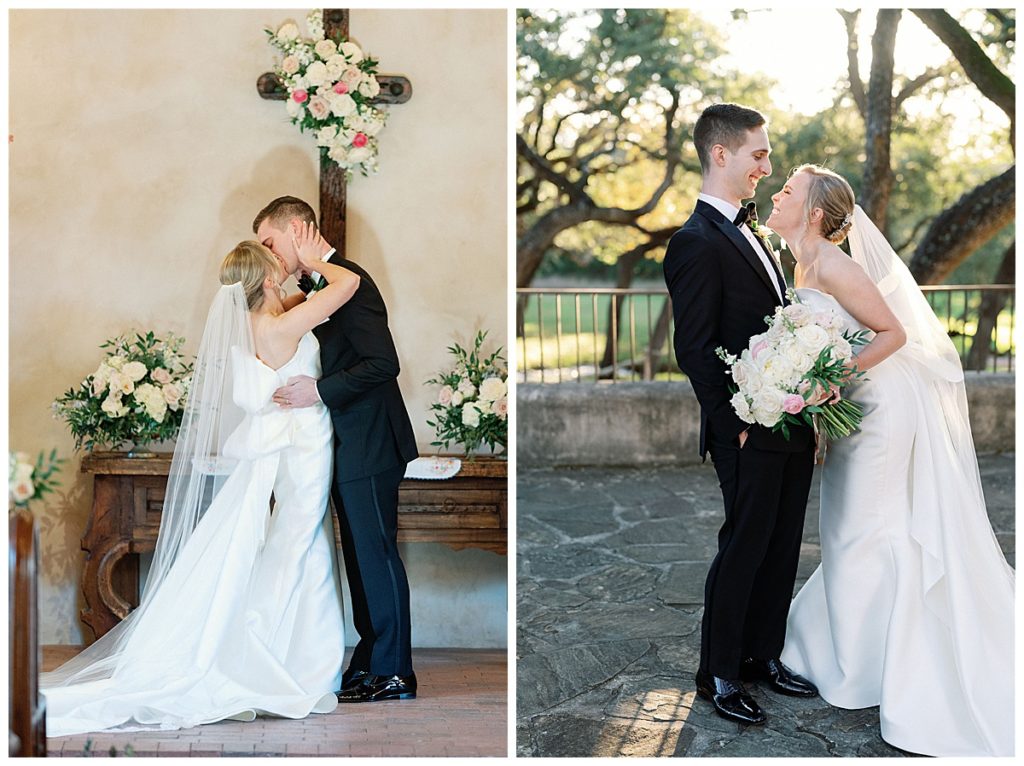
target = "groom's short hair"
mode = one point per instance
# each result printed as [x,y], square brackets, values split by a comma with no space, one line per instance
[284,208]
[725,124]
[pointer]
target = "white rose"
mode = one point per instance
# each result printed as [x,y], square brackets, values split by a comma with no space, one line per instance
[135,370]
[742,407]
[842,350]
[335,66]
[351,51]
[370,125]
[325,49]
[743,371]
[342,104]
[24,470]
[121,383]
[501,407]
[288,32]
[484,407]
[290,64]
[113,407]
[338,153]
[369,88]
[319,108]
[117,362]
[359,154]
[767,406]
[101,378]
[316,74]
[492,389]
[161,376]
[351,76]
[457,398]
[172,395]
[470,415]
[444,396]
[778,370]
[295,110]
[798,314]
[812,338]
[466,387]
[22,490]
[153,401]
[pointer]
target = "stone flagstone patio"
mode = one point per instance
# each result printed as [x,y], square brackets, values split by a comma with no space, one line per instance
[611,567]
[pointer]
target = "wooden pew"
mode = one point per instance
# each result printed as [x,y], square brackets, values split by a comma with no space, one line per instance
[27,708]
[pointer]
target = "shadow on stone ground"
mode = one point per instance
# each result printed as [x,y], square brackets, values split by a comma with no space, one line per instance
[611,567]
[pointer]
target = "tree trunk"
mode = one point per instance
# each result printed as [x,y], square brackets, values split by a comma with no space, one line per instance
[625,266]
[964,227]
[877,183]
[991,304]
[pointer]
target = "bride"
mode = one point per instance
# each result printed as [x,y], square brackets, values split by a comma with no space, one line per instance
[912,606]
[240,614]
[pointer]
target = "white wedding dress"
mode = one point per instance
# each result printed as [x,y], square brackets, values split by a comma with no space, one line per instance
[912,606]
[248,619]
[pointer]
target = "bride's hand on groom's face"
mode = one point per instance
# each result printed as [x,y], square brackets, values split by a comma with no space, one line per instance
[308,245]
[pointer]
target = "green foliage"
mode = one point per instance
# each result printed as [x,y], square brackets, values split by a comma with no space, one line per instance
[472,406]
[593,86]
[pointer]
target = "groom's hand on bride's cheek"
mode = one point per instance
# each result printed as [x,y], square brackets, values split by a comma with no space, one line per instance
[299,391]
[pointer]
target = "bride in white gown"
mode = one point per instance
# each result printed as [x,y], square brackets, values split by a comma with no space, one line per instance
[240,615]
[912,606]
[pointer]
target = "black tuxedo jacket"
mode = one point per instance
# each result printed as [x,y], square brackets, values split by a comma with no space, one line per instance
[720,295]
[359,384]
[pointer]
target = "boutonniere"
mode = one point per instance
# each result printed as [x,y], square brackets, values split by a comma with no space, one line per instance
[765,234]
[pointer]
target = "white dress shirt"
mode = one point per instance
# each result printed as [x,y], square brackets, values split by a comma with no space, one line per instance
[730,211]
[315,275]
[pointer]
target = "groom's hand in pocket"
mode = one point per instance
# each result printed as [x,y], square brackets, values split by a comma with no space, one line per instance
[299,391]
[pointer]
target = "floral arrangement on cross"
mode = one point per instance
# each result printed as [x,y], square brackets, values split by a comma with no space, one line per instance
[330,85]
[28,480]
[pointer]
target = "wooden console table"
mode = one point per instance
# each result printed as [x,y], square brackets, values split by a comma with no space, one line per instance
[469,510]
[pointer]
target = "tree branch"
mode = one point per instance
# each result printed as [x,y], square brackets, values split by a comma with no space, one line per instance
[992,83]
[544,169]
[852,65]
[912,86]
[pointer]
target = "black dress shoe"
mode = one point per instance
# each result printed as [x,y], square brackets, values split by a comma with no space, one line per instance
[379,688]
[780,678]
[730,699]
[352,678]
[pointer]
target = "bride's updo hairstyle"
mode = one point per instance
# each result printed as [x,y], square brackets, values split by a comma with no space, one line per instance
[249,263]
[830,192]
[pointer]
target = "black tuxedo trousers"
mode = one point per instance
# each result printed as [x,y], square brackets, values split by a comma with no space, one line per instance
[373,442]
[721,293]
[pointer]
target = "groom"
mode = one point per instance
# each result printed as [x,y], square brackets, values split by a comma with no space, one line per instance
[723,281]
[373,441]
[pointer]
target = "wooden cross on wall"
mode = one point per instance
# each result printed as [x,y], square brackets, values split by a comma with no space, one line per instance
[394,89]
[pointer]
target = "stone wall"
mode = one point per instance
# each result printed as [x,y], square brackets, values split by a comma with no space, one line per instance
[568,424]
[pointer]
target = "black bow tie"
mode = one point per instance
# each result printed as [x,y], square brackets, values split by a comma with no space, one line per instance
[747,213]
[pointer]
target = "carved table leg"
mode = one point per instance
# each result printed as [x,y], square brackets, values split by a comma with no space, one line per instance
[106,543]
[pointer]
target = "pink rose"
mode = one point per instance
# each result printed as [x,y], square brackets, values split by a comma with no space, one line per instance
[299,96]
[340,88]
[360,140]
[793,404]
[444,398]
[757,348]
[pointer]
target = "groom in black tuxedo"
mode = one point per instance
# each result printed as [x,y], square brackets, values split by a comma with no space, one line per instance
[373,441]
[723,281]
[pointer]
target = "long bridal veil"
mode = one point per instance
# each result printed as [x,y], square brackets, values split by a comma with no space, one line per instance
[198,471]
[967,582]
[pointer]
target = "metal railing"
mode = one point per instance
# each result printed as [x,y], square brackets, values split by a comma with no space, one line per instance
[566,334]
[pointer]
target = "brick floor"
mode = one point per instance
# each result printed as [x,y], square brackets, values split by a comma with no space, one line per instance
[461,710]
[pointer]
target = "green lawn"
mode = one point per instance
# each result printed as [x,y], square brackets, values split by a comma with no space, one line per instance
[583,324]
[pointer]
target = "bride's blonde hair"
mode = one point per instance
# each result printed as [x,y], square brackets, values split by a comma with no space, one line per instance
[830,192]
[249,263]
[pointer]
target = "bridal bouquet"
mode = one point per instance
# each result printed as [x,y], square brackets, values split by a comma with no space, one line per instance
[801,353]
[29,481]
[137,394]
[330,85]
[472,405]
